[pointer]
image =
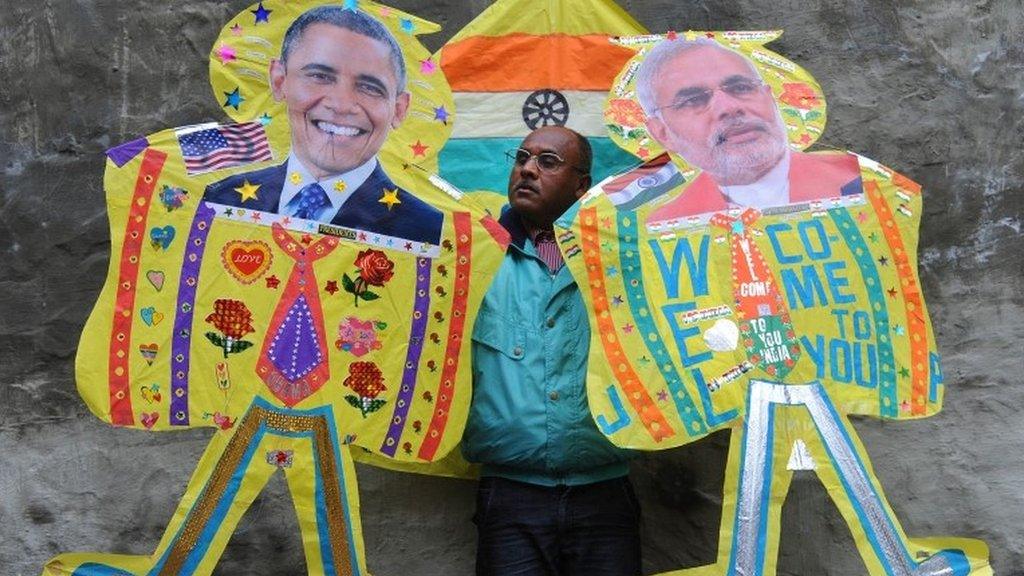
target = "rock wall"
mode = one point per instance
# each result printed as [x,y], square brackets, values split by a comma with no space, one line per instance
[933,89]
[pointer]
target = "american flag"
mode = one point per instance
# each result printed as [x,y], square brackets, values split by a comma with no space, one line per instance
[211,147]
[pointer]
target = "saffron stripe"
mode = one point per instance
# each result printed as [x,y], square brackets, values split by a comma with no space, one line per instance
[888,395]
[183,312]
[124,300]
[421,306]
[629,256]
[650,415]
[463,252]
[917,329]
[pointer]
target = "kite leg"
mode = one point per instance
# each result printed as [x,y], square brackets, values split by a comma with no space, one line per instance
[233,470]
[754,512]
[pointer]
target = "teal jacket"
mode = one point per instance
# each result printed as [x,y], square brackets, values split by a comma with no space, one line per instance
[529,420]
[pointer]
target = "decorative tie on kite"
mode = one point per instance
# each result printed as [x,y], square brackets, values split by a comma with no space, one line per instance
[293,360]
[308,203]
[765,325]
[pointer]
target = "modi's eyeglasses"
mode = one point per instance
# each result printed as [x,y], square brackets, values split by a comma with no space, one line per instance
[546,161]
[696,100]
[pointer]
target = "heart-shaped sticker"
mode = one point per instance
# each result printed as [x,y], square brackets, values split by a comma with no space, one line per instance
[156,278]
[246,260]
[150,316]
[149,351]
[161,237]
[149,420]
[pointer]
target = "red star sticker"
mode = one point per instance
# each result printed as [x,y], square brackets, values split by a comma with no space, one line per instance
[362,236]
[892,292]
[255,216]
[286,220]
[643,152]
[332,287]
[419,149]
[408,245]
[272,281]
[306,239]
[709,34]
[805,138]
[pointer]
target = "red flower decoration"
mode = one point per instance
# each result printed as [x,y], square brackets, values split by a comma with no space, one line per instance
[365,379]
[374,267]
[799,95]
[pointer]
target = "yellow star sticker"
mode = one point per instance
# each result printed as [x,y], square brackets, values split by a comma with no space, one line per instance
[390,198]
[248,191]
[340,186]
[296,178]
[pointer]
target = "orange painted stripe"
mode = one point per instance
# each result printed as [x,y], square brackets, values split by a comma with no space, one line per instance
[457,324]
[917,325]
[519,62]
[124,300]
[650,415]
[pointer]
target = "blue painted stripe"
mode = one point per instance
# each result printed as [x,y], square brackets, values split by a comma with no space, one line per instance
[480,164]
[629,257]
[95,569]
[887,389]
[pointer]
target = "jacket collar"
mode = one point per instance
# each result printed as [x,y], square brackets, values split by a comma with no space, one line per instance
[510,221]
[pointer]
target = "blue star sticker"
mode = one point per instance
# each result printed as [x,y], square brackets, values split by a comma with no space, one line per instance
[407,25]
[440,114]
[352,5]
[265,119]
[612,271]
[261,13]
[737,227]
[234,99]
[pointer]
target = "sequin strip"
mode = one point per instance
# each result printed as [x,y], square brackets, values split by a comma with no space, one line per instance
[887,392]
[629,255]
[184,311]
[650,415]
[412,359]
[201,513]
[917,329]
[463,252]
[128,275]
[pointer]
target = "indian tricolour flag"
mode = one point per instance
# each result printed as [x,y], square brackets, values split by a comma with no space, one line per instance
[522,65]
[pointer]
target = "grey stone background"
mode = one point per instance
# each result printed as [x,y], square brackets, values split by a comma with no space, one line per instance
[934,89]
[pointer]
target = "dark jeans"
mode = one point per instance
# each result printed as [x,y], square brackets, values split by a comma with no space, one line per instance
[529,530]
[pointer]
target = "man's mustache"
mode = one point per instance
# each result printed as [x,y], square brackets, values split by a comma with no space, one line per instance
[734,125]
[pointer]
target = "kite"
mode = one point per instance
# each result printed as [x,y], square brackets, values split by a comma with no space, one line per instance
[775,321]
[297,335]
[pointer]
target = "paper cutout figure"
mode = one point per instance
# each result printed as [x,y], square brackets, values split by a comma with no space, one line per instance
[301,289]
[809,256]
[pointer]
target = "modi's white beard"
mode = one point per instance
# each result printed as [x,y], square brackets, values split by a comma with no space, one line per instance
[744,163]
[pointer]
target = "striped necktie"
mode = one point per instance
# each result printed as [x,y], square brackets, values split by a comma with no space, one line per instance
[308,203]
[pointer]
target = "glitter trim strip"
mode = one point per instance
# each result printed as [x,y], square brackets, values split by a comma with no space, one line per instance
[403,402]
[463,254]
[258,421]
[650,415]
[629,256]
[184,311]
[888,392]
[917,327]
[124,299]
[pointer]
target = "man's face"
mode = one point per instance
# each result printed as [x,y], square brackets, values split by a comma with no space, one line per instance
[341,93]
[541,196]
[737,135]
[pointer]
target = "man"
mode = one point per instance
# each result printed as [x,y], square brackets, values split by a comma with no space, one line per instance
[554,497]
[342,78]
[709,105]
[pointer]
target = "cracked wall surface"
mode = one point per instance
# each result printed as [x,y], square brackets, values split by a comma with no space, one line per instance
[933,89]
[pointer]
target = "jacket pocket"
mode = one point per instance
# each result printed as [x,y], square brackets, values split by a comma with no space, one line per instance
[499,333]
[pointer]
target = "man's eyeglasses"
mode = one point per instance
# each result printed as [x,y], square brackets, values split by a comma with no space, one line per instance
[546,161]
[697,100]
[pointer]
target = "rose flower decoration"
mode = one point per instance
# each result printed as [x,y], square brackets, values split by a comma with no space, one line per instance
[234,321]
[374,270]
